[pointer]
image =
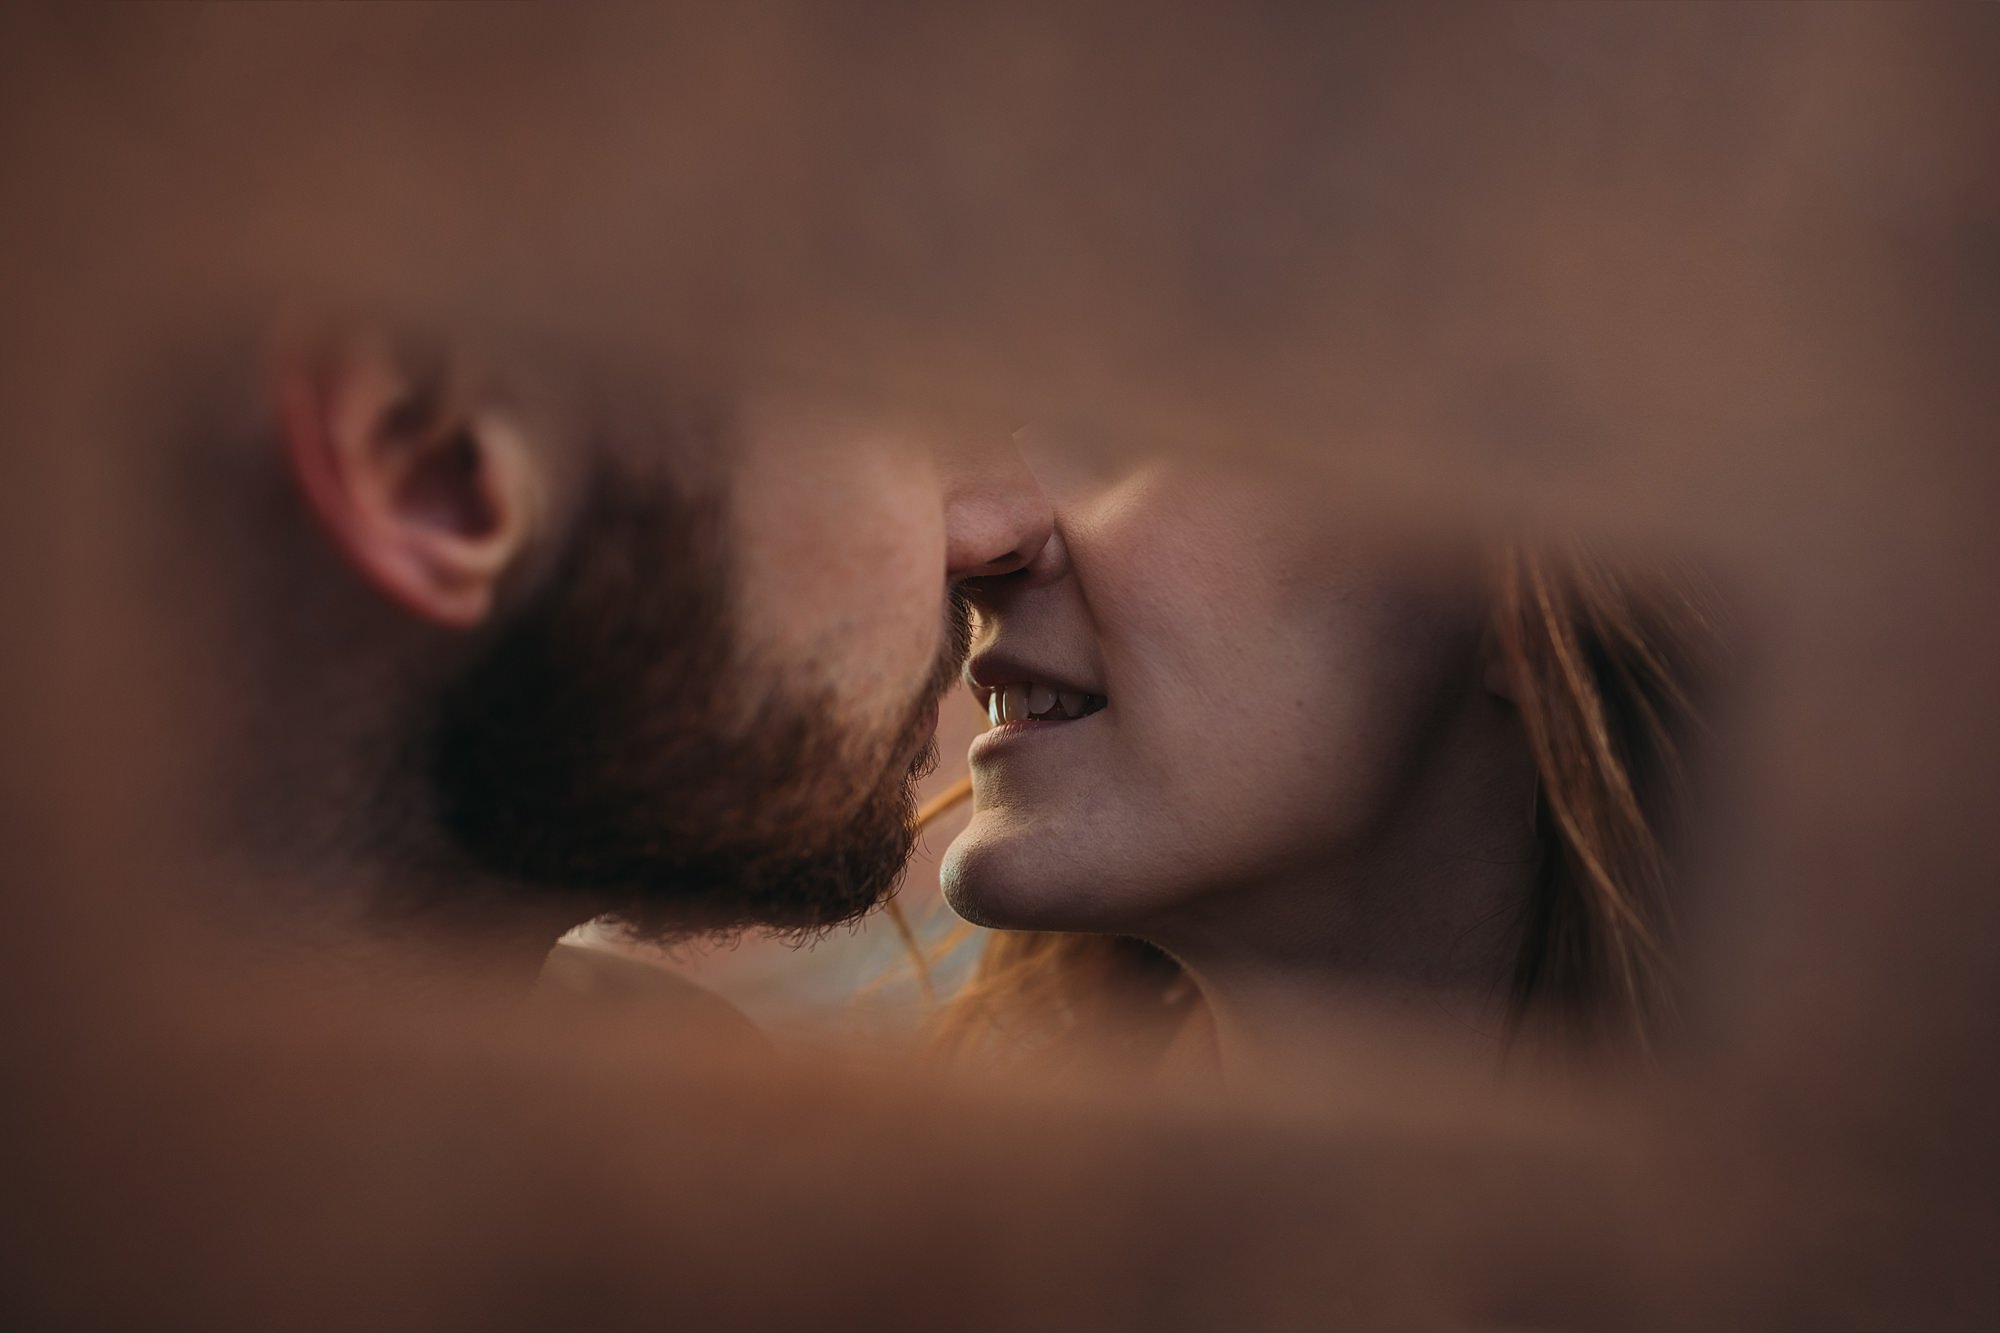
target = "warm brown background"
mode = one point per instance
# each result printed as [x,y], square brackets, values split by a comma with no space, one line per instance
[1719,275]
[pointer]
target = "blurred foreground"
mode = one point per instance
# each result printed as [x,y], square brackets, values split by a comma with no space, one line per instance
[1719,279]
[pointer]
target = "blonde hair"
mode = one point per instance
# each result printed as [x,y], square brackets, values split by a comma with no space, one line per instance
[1609,662]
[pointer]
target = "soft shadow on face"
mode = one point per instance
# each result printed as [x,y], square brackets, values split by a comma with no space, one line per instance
[1285,694]
[587,754]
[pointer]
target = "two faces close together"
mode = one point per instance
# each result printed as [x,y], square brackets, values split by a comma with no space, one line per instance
[1252,752]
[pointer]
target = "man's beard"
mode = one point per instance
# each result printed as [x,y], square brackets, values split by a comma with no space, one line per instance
[595,752]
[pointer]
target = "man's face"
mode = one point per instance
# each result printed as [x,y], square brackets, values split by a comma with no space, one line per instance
[713,714]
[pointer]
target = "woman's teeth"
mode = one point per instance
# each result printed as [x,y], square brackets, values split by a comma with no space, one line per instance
[1030,700]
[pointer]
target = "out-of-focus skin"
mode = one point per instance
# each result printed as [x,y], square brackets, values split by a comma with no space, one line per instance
[762,582]
[1724,273]
[1300,779]
[839,524]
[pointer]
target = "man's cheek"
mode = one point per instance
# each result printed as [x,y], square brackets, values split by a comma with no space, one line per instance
[841,575]
[888,638]
[895,568]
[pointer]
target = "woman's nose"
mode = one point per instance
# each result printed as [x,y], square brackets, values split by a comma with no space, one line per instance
[997,518]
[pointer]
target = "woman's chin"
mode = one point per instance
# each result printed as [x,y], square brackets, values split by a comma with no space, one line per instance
[968,877]
[1004,882]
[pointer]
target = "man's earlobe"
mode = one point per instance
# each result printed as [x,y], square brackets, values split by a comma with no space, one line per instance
[429,495]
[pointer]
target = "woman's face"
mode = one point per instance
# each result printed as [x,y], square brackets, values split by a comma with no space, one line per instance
[1210,682]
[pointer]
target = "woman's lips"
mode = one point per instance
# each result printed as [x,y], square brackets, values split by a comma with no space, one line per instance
[998,740]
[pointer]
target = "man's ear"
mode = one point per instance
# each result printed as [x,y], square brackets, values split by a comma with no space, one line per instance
[431,496]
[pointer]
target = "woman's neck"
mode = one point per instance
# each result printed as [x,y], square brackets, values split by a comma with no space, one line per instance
[1421,942]
[1263,1020]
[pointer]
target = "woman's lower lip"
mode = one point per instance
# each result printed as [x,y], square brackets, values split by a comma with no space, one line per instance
[1008,734]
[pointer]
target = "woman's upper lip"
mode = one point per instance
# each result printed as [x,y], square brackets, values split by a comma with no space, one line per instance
[990,670]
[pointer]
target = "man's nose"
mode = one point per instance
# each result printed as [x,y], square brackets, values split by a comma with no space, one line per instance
[996,517]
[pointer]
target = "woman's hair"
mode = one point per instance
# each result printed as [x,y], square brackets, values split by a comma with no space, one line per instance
[1609,663]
